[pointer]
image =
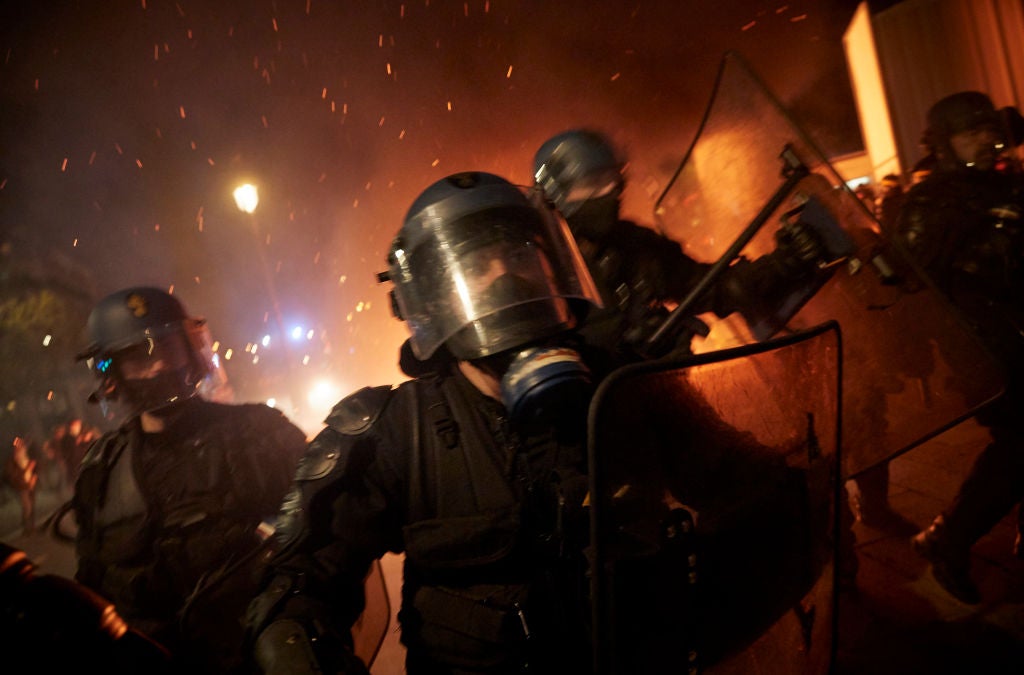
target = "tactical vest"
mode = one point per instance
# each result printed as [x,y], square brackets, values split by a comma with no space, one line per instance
[482,523]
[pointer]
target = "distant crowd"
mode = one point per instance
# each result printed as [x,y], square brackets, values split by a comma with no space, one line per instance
[51,465]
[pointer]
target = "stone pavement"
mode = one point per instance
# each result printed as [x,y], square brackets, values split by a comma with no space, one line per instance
[901,620]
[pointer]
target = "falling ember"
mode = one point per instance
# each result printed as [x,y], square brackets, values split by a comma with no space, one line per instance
[616,76]
[305,360]
[401,134]
[117,147]
[274,22]
[436,162]
[263,118]
[389,68]
[92,157]
[181,111]
[798,18]
[749,26]
[139,163]
[449,106]
[74,244]
[380,122]
[156,227]
[323,93]
[49,395]
[64,165]
[508,74]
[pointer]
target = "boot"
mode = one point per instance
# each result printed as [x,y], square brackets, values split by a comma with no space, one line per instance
[950,564]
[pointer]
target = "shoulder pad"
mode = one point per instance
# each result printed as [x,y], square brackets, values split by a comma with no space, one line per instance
[357,412]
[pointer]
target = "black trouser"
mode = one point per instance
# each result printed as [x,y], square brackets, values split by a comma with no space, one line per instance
[995,483]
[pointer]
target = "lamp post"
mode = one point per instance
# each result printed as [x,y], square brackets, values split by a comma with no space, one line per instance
[247,199]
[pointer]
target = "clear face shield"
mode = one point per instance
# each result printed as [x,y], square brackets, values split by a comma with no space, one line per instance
[488,281]
[502,280]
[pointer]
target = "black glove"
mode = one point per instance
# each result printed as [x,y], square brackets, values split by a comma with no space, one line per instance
[799,248]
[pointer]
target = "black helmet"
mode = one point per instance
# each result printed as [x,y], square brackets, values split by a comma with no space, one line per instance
[956,113]
[143,329]
[576,166]
[480,268]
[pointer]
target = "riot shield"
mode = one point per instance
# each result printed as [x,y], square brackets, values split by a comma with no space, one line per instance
[914,368]
[713,488]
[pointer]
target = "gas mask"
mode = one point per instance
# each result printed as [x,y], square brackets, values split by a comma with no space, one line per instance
[544,385]
[594,218]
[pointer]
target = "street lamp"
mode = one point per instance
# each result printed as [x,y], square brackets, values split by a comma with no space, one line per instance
[247,198]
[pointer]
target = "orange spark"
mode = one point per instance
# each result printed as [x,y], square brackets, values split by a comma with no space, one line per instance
[64,165]
[181,111]
[508,74]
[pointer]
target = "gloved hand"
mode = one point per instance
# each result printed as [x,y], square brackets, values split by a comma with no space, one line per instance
[799,248]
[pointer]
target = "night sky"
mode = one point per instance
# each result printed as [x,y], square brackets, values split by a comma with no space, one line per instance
[125,125]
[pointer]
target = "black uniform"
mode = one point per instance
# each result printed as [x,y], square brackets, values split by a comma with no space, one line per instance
[641,275]
[491,523]
[964,227]
[161,516]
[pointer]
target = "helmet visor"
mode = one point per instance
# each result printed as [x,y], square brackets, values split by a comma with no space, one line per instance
[146,376]
[488,281]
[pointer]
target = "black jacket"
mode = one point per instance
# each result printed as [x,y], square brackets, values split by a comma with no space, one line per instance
[491,523]
[162,516]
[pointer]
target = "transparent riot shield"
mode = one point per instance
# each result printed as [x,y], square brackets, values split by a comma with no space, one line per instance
[913,367]
[713,488]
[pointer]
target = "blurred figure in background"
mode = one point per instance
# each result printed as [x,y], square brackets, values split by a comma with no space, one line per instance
[639,273]
[171,505]
[963,224]
[21,474]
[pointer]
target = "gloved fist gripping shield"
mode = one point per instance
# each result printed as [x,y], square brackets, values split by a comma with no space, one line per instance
[754,183]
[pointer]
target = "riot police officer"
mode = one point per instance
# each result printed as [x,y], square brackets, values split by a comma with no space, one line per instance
[639,272]
[168,504]
[963,225]
[474,470]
